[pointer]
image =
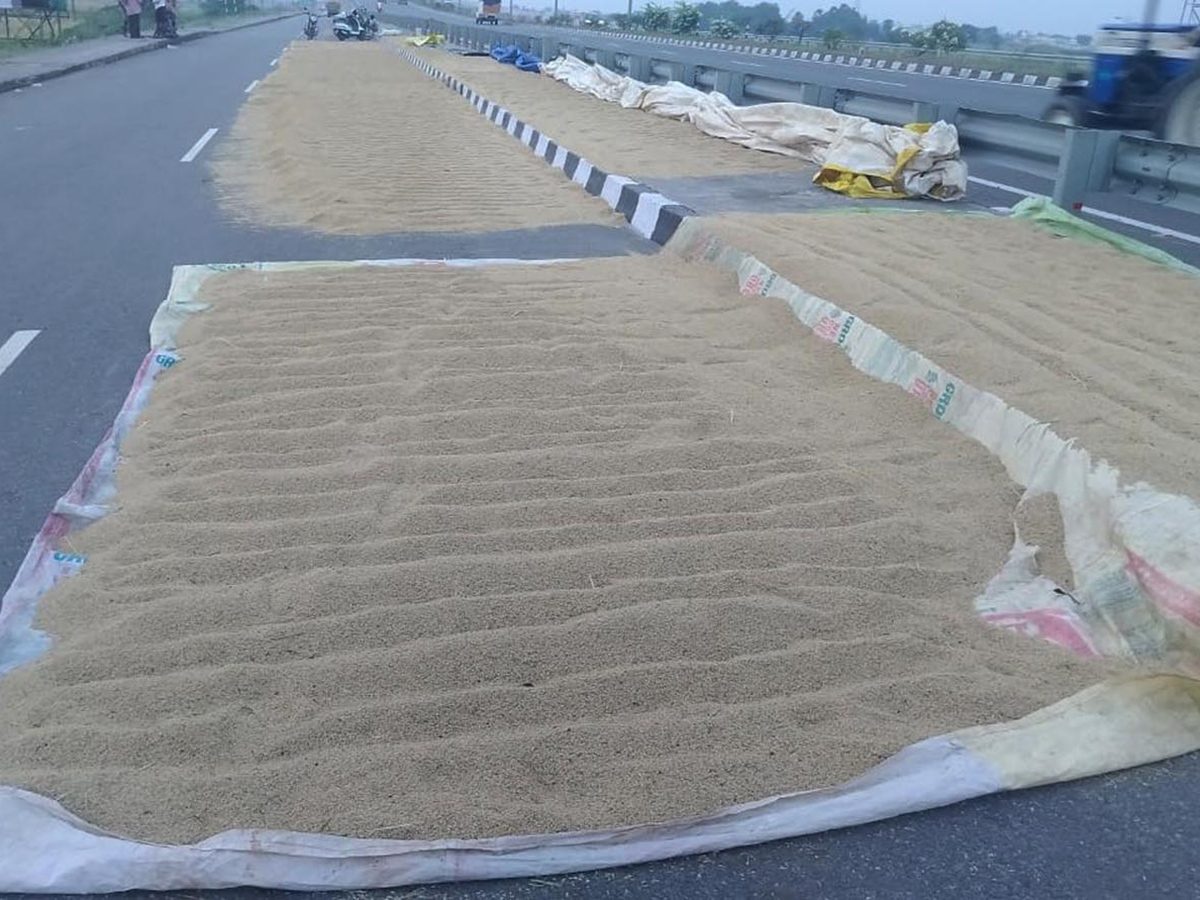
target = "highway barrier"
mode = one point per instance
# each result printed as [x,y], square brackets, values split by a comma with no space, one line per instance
[1083,160]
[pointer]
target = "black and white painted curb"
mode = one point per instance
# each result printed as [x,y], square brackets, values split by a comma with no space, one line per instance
[1043,81]
[648,212]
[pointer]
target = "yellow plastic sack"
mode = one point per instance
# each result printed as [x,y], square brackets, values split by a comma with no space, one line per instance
[868,185]
[432,39]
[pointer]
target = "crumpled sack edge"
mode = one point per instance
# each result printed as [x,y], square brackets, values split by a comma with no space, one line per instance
[1044,213]
[1134,551]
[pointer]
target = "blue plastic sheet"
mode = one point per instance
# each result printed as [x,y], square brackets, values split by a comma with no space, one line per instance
[515,56]
[529,62]
[507,54]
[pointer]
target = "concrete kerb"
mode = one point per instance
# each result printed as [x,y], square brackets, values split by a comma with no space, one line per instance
[134,50]
[648,212]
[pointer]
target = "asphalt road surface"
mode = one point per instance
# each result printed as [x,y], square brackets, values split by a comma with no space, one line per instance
[97,206]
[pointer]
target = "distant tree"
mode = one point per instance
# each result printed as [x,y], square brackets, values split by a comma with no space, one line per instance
[946,37]
[941,37]
[685,18]
[989,37]
[655,17]
[848,21]
[1083,40]
[761,18]
[833,38]
[724,29]
[770,27]
[560,18]
[798,25]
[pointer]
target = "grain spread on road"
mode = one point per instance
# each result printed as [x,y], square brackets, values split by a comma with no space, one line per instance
[440,552]
[1099,343]
[348,138]
[622,141]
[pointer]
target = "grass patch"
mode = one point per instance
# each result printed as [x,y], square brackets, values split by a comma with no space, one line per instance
[96,19]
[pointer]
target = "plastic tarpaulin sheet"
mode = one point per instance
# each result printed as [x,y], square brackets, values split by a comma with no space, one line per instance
[46,849]
[1045,214]
[1134,551]
[504,54]
[515,56]
[1130,545]
[857,156]
[432,39]
[528,62]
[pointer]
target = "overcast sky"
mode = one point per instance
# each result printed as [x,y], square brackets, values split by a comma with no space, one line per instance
[1064,16]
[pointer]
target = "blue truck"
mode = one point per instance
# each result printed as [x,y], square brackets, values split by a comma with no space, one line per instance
[1144,77]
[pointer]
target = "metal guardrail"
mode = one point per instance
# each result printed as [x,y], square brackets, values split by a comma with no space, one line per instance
[1017,135]
[847,46]
[1087,160]
[1156,172]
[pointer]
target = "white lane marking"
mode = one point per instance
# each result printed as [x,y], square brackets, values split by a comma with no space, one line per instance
[877,81]
[1160,230]
[1003,187]
[251,86]
[12,348]
[198,146]
[754,65]
[275,61]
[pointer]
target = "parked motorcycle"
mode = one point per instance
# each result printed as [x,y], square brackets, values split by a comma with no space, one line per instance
[355,24]
[310,27]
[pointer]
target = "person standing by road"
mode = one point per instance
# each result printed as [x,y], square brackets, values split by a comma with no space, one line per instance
[165,19]
[160,18]
[133,17]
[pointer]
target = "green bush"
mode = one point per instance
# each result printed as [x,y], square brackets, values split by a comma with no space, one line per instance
[685,18]
[655,17]
[943,37]
[723,28]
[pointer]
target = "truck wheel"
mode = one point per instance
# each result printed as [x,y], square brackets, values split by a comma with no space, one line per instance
[1067,109]
[1181,124]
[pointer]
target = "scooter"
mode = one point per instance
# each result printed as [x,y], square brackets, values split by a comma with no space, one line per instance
[355,24]
[310,27]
